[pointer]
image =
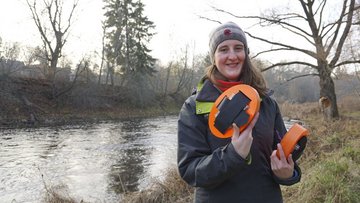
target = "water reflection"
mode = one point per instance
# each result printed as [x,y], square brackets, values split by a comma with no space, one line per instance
[96,162]
[131,156]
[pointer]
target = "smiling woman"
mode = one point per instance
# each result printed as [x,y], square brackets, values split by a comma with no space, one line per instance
[226,169]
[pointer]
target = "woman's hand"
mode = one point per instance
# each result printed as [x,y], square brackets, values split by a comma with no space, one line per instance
[242,141]
[283,168]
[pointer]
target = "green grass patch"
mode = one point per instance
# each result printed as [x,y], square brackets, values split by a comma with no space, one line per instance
[335,179]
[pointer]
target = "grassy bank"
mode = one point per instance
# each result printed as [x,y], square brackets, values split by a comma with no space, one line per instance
[28,103]
[330,164]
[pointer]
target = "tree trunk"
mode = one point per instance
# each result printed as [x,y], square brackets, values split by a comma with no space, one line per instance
[53,69]
[327,89]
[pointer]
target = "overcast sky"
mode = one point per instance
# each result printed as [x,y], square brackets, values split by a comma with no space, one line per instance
[177,24]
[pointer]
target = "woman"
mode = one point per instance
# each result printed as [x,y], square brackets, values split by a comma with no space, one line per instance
[243,168]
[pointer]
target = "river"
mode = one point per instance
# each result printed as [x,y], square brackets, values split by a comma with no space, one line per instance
[94,162]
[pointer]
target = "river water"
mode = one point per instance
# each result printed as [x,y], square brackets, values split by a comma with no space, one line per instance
[94,162]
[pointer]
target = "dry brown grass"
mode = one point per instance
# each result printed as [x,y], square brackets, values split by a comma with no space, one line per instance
[348,106]
[349,103]
[171,190]
[299,111]
[331,162]
[58,194]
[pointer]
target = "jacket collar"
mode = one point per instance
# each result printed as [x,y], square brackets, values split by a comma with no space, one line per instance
[207,92]
[206,95]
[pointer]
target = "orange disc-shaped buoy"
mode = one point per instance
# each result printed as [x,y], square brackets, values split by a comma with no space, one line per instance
[294,141]
[238,104]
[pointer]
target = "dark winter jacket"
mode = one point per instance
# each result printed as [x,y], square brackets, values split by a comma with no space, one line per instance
[211,164]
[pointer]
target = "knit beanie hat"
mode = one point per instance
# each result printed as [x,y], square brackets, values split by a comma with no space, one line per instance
[224,32]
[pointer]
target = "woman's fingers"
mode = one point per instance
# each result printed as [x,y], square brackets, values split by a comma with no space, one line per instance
[281,152]
[242,141]
[282,167]
[291,161]
[253,122]
[236,132]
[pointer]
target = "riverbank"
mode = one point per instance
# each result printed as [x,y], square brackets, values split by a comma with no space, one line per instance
[73,117]
[27,103]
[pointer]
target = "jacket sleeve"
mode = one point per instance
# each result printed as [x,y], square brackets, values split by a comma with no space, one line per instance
[279,132]
[197,164]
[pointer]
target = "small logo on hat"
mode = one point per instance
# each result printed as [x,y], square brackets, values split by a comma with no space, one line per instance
[227,32]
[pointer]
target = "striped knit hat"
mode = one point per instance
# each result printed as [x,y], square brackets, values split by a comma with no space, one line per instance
[224,32]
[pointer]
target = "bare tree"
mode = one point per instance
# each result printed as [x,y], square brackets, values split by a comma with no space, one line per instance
[168,70]
[9,53]
[102,53]
[81,70]
[183,76]
[53,31]
[325,38]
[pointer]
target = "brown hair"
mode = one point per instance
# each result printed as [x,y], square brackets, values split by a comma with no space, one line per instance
[250,75]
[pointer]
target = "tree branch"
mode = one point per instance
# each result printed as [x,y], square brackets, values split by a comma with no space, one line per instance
[279,21]
[289,63]
[300,76]
[338,23]
[347,62]
[299,34]
[321,7]
[209,19]
[270,50]
[37,21]
[71,15]
[310,53]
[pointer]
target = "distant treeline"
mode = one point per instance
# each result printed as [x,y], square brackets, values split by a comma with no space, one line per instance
[83,88]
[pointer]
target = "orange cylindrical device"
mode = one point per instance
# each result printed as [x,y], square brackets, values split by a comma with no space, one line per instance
[294,141]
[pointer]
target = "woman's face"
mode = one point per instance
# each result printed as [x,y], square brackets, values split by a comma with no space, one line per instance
[229,58]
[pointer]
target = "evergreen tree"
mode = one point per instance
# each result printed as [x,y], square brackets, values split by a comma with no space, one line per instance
[144,63]
[128,33]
